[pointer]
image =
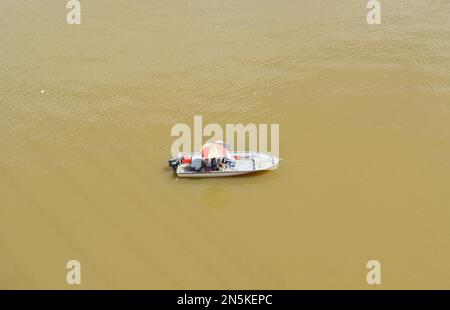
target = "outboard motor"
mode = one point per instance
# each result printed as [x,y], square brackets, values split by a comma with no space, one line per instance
[174,163]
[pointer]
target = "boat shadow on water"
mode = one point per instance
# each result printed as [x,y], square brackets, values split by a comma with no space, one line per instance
[216,197]
[216,193]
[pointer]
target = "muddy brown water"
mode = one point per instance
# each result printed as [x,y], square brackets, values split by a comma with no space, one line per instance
[86,114]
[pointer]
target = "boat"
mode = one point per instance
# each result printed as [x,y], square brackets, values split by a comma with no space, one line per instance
[216,160]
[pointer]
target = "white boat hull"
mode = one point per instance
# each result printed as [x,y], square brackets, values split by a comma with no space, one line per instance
[212,174]
[247,162]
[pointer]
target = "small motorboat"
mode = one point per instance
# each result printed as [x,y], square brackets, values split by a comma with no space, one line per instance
[216,160]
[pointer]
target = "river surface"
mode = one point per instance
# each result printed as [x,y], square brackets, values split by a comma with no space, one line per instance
[86,113]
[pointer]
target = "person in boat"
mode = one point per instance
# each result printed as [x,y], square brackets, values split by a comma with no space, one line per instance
[213,164]
[199,164]
[214,156]
[214,153]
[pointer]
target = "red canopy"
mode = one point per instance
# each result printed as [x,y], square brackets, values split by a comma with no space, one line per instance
[214,150]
